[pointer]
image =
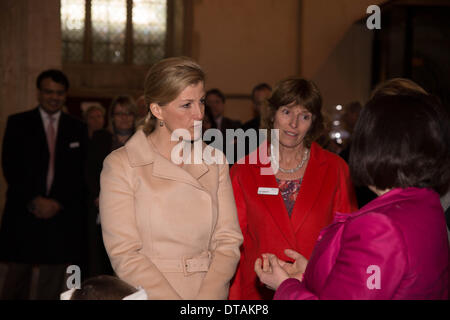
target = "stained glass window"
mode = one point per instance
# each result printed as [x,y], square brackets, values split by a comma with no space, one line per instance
[109,20]
[72,25]
[149,30]
[108,40]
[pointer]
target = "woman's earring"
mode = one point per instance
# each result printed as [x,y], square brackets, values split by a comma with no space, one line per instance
[161,123]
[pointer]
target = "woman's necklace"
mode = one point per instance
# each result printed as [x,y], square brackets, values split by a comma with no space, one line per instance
[300,165]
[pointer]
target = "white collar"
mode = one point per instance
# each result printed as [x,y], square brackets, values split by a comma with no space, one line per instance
[45,116]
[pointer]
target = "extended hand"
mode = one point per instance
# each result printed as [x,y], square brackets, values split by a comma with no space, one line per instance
[269,271]
[296,269]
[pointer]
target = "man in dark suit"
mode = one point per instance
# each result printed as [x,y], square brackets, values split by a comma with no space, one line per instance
[43,158]
[260,94]
[215,100]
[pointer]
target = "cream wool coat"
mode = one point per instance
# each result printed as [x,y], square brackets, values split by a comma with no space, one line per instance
[156,215]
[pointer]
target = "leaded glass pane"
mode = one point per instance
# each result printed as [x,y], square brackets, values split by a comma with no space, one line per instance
[108,30]
[149,30]
[72,27]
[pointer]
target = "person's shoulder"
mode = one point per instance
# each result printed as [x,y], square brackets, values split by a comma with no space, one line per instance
[373,224]
[245,165]
[24,115]
[117,157]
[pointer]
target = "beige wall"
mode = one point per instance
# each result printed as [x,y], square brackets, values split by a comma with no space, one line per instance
[324,23]
[241,43]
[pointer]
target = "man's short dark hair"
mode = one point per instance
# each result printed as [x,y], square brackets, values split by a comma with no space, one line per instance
[217,92]
[402,141]
[259,87]
[56,75]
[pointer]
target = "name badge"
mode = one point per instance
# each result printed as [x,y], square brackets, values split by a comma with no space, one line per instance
[75,144]
[268,191]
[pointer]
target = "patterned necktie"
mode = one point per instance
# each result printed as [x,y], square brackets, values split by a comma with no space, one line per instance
[51,137]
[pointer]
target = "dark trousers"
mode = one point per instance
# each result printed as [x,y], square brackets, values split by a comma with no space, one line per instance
[33,282]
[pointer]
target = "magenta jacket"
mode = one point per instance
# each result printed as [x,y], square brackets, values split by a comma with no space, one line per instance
[395,247]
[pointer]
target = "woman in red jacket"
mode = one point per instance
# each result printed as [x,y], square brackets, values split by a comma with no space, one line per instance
[306,185]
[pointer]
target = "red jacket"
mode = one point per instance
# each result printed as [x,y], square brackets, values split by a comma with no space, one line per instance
[265,223]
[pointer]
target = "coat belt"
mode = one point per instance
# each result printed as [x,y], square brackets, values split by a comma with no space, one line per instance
[186,265]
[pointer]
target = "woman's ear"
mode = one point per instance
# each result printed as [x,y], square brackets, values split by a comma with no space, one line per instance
[156,110]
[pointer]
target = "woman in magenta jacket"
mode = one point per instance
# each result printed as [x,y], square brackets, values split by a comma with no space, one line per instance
[396,246]
[286,207]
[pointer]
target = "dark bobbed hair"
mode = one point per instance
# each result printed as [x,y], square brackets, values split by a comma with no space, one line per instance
[217,92]
[56,76]
[402,141]
[103,287]
[301,91]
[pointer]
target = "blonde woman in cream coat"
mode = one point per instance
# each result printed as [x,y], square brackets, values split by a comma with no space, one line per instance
[170,228]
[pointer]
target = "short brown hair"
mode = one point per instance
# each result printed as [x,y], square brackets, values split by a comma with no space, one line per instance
[301,91]
[166,79]
[103,287]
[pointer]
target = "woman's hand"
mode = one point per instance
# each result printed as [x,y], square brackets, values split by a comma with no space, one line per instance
[269,271]
[296,269]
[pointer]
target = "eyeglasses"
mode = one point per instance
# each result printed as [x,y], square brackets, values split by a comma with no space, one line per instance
[123,114]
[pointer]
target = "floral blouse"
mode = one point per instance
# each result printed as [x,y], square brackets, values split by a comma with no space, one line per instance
[289,191]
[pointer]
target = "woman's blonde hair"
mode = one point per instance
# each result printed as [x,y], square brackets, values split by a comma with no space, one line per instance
[92,108]
[164,82]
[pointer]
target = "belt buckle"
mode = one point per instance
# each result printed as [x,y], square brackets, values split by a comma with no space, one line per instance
[184,261]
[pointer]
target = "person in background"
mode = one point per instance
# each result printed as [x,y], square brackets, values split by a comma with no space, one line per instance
[43,159]
[260,94]
[284,211]
[208,122]
[94,116]
[215,100]
[396,246]
[122,118]
[168,226]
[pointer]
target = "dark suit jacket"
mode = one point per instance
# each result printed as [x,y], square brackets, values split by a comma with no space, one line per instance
[228,123]
[23,237]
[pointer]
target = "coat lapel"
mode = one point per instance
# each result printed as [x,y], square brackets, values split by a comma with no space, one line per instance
[312,182]
[141,153]
[275,205]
